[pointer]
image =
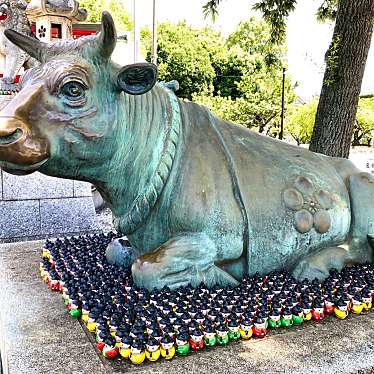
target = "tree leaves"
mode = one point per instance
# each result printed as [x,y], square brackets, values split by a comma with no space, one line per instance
[117,8]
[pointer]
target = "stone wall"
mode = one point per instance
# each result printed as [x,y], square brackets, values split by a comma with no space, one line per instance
[38,206]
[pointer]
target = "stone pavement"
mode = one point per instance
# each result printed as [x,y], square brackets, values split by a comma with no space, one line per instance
[37,336]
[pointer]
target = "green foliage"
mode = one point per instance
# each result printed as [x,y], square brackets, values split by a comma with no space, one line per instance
[300,122]
[117,8]
[188,55]
[363,131]
[239,79]
[327,10]
[332,60]
[275,12]
[248,89]
[211,9]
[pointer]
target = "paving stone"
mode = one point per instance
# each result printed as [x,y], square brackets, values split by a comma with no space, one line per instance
[37,336]
[82,189]
[19,219]
[1,185]
[35,186]
[67,215]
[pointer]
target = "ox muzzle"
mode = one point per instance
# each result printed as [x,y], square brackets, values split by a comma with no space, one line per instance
[22,149]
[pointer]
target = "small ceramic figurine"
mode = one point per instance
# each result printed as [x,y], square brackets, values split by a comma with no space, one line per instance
[110,350]
[318,310]
[210,338]
[196,340]
[100,340]
[274,321]
[259,328]
[183,345]
[137,354]
[357,305]
[328,305]
[297,316]
[246,329]
[74,309]
[341,309]
[366,299]
[91,321]
[222,335]
[167,347]
[307,312]
[234,333]
[152,351]
[286,318]
[125,346]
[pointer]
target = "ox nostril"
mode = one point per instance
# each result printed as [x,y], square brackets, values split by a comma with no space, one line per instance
[10,136]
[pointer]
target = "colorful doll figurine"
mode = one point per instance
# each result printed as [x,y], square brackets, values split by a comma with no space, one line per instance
[357,305]
[366,300]
[318,310]
[210,338]
[167,347]
[183,345]
[246,329]
[328,305]
[152,351]
[110,350]
[74,309]
[341,309]
[137,354]
[100,339]
[91,322]
[307,312]
[234,333]
[125,346]
[274,321]
[222,335]
[259,328]
[54,281]
[297,315]
[286,318]
[196,340]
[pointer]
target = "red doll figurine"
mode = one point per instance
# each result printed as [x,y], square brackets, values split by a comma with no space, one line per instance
[196,340]
[259,328]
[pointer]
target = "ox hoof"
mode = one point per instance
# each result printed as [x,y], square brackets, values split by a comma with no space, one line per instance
[318,265]
[151,275]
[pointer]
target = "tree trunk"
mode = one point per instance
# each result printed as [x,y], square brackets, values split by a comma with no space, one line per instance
[345,66]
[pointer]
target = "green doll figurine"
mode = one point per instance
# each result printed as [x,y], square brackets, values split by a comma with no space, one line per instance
[182,344]
[210,338]
[286,319]
[297,315]
[274,320]
[222,334]
[234,333]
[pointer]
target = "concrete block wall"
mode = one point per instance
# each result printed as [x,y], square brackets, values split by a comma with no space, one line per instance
[37,206]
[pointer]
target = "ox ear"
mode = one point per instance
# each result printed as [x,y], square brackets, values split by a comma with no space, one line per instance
[137,79]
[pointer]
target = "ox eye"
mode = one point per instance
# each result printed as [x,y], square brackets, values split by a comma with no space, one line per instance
[73,90]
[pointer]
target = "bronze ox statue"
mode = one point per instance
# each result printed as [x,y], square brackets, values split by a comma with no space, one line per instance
[200,199]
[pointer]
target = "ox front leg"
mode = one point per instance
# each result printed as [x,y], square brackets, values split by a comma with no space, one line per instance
[181,261]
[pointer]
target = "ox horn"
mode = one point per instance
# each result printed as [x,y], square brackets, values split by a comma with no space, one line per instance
[32,46]
[108,37]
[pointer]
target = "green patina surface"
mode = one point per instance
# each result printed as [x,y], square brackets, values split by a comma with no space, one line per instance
[201,200]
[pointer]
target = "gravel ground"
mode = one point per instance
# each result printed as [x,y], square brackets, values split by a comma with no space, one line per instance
[104,219]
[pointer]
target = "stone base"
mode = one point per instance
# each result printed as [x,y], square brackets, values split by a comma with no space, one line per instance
[37,336]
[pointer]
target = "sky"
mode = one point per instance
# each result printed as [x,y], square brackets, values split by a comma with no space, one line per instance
[307,39]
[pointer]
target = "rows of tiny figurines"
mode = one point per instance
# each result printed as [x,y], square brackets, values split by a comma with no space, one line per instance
[138,324]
